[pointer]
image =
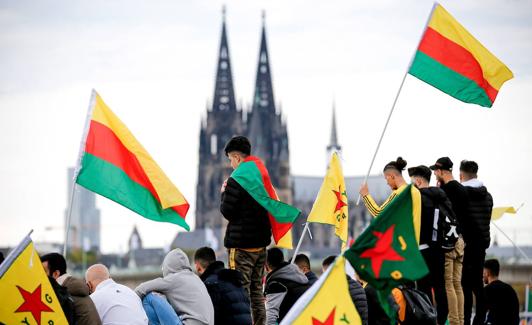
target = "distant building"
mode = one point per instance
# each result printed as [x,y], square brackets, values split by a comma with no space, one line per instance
[85,218]
[139,257]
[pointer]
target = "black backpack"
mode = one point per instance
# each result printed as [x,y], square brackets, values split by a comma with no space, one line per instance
[419,309]
[446,234]
[65,300]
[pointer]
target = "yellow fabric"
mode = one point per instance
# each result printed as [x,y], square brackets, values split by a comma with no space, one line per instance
[498,212]
[168,194]
[332,297]
[324,208]
[27,273]
[494,71]
[286,240]
[232,263]
[374,209]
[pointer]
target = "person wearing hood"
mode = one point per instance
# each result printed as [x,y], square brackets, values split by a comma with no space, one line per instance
[303,263]
[285,283]
[183,289]
[477,241]
[225,286]
[84,311]
[433,198]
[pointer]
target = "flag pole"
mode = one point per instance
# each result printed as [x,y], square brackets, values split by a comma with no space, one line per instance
[299,242]
[92,102]
[513,243]
[395,100]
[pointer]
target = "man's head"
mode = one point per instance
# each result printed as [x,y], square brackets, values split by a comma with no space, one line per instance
[303,263]
[420,176]
[393,173]
[443,169]
[204,257]
[491,271]
[274,259]
[327,261]
[237,149]
[54,264]
[95,275]
[468,170]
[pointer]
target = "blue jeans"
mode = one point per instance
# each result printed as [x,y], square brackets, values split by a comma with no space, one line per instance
[159,311]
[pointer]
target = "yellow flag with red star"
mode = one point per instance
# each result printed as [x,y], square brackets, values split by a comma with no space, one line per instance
[331,203]
[27,295]
[327,302]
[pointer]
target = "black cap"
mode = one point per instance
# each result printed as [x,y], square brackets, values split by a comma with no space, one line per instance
[444,163]
[422,171]
[469,166]
[238,143]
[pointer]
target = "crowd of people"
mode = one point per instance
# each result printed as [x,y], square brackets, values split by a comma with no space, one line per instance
[260,285]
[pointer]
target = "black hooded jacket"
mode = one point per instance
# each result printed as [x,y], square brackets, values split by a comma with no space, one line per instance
[431,198]
[229,299]
[478,224]
[249,226]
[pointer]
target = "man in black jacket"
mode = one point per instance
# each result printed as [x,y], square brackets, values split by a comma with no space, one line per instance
[443,170]
[477,241]
[229,298]
[502,305]
[356,291]
[248,231]
[285,283]
[432,198]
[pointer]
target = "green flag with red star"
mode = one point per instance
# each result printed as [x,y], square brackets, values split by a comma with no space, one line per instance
[386,254]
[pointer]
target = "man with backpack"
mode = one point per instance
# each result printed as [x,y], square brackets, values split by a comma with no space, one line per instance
[436,215]
[443,170]
[477,238]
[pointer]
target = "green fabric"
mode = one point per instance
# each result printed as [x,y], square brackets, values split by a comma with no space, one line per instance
[106,179]
[248,175]
[450,82]
[403,260]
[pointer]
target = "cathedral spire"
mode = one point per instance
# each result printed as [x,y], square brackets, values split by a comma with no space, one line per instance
[224,94]
[333,142]
[263,98]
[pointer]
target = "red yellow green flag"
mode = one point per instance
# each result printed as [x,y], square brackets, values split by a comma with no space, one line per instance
[331,204]
[327,302]
[452,60]
[253,176]
[27,295]
[115,165]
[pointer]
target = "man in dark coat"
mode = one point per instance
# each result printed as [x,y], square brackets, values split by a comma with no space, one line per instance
[303,263]
[356,291]
[502,305]
[285,283]
[84,310]
[248,230]
[477,238]
[229,298]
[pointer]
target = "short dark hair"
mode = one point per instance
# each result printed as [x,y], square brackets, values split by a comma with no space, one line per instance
[205,256]
[238,143]
[302,259]
[56,262]
[328,261]
[469,167]
[493,266]
[274,257]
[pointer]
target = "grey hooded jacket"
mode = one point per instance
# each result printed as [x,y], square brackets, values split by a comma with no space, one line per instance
[183,289]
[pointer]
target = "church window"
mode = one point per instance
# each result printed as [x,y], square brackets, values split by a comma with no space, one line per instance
[214,144]
[223,53]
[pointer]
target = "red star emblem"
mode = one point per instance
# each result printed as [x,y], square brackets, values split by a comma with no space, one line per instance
[33,303]
[328,321]
[339,203]
[382,251]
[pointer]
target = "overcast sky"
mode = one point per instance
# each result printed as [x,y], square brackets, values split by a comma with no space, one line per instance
[153,62]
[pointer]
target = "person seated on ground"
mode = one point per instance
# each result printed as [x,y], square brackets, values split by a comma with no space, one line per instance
[229,298]
[502,305]
[84,310]
[357,293]
[303,263]
[285,283]
[182,288]
[115,303]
